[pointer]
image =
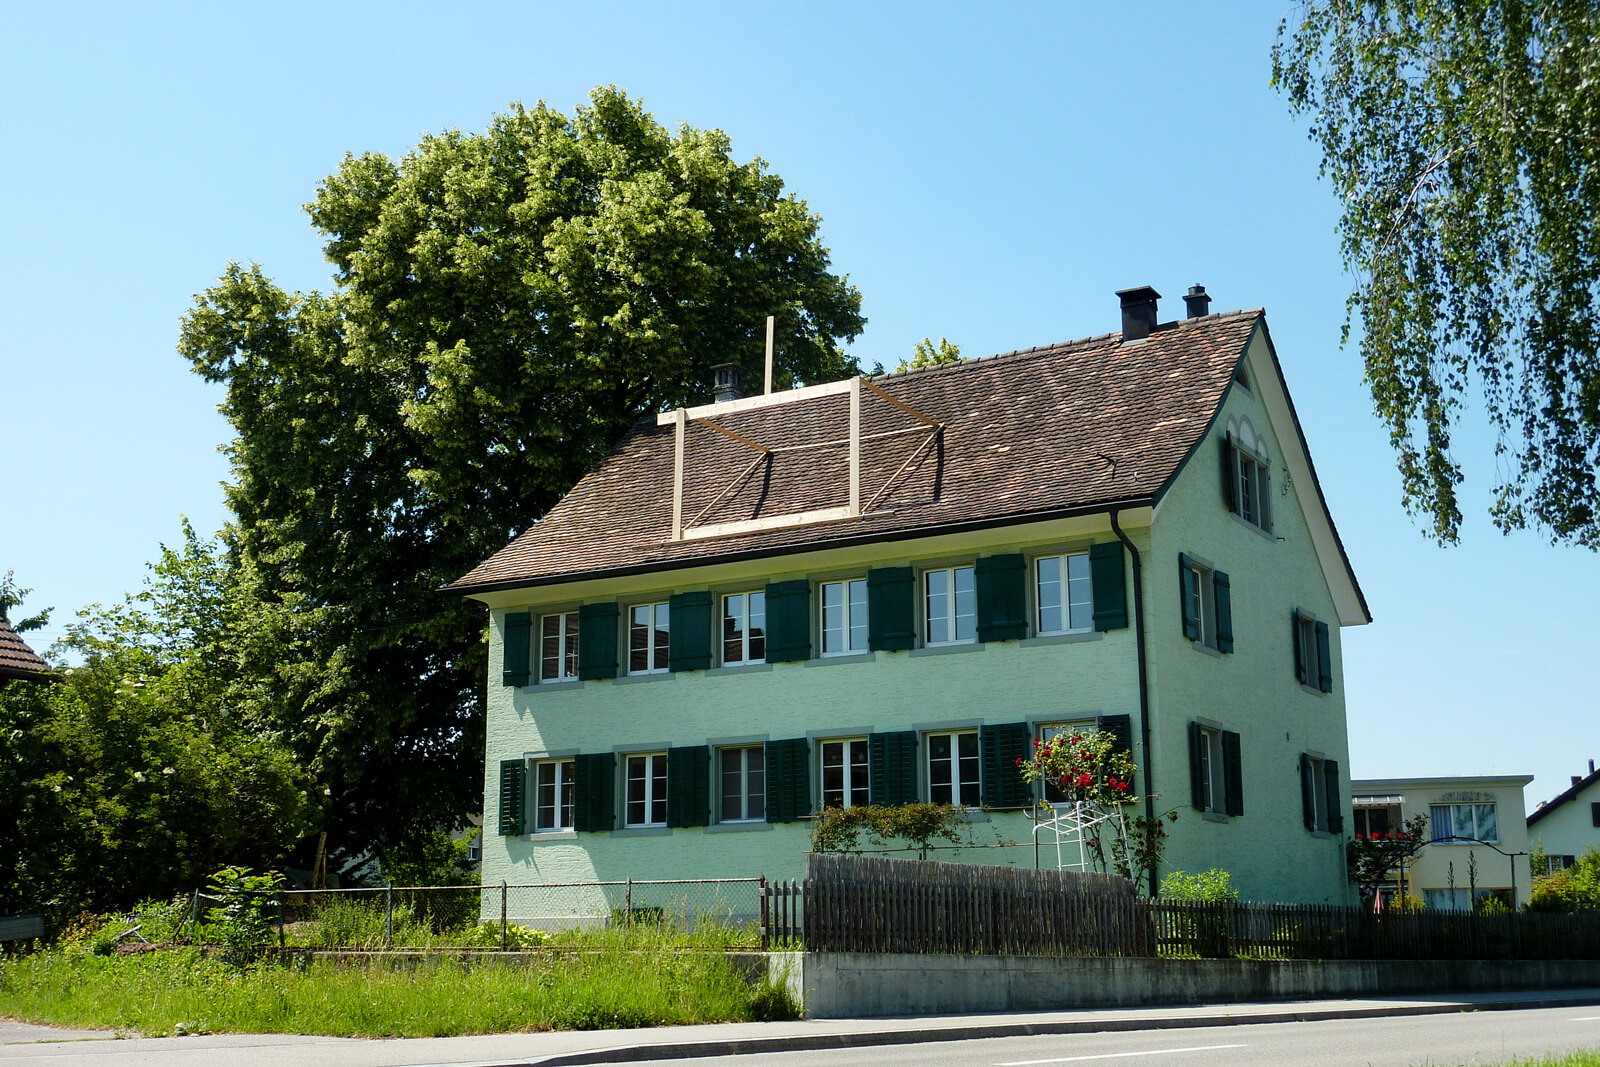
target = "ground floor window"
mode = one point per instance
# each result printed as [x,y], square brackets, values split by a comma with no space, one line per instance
[552,795]
[743,783]
[953,768]
[647,789]
[844,773]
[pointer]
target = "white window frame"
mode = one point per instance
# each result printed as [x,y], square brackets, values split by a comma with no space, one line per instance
[655,788]
[958,784]
[1362,814]
[848,769]
[746,791]
[849,624]
[655,657]
[563,808]
[745,636]
[1476,838]
[952,616]
[1213,775]
[566,637]
[1044,732]
[1206,603]
[1065,607]
[1253,483]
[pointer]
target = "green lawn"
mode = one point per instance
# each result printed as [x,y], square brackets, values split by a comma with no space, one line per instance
[1590,1058]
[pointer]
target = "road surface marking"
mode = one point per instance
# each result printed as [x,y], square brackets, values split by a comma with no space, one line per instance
[1117,1055]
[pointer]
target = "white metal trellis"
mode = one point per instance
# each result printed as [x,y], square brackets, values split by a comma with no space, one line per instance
[1073,825]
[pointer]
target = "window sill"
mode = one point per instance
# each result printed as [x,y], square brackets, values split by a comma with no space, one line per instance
[1207,649]
[1061,639]
[552,835]
[738,668]
[1247,524]
[1214,816]
[834,660]
[946,650]
[642,831]
[739,827]
[556,687]
[1314,690]
[637,679]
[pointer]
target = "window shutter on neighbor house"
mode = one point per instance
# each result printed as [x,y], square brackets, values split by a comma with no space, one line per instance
[1001,584]
[1197,787]
[1108,583]
[1186,598]
[788,768]
[789,621]
[1232,773]
[892,768]
[1324,659]
[597,642]
[1003,746]
[891,609]
[1230,474]
[688,638]
[1299,647]
[688,785]
[1330,774]
[513,796]
[1222,593]
[518,644]
[594,796]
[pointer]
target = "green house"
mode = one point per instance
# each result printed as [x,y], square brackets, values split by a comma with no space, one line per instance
[885,589]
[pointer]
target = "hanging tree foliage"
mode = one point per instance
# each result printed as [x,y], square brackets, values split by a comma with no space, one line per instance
[1463,138]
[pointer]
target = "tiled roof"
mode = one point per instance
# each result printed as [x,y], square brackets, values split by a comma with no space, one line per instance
[1564,796]
[1026,435]
[17,660]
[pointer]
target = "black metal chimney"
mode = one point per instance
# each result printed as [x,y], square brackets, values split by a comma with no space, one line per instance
[1198,302]
[1138,312]
[728,378]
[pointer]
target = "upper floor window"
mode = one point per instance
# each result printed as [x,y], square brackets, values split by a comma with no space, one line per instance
[647,789]
[1246,475]
[1313,658]
[844,773]
[744,627]
[558,647]
[844,617]
[1319,794]
[1376,820]
[1209,769]
[552,795]
[648,626]
[954,767]
[1065,593]
[743,783]
[1464,823]
[950,606]
[1206,597]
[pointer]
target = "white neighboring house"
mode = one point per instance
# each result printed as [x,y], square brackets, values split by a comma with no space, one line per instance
[1569,824]
[1478,835]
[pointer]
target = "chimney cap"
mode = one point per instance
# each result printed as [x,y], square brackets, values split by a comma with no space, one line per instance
[1198,301]
[1139,294]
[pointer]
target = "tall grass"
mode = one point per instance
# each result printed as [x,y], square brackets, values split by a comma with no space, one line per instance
[618,984]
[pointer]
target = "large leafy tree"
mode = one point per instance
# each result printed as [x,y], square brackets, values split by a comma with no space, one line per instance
[1463,138]
[507,305]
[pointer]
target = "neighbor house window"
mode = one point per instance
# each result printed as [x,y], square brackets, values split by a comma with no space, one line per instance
[950,601]
[744,628]
[953,768]
[1463,823]
[552,795]
[647,789]
[844,773]
[1065,593]
[1376,821]
[558,647]
[743,783]
[648,626]
[844,617]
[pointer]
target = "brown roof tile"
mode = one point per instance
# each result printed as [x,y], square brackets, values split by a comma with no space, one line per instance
[17,660]
[1026,434]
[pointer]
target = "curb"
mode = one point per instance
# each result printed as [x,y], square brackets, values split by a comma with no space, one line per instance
[869,1039]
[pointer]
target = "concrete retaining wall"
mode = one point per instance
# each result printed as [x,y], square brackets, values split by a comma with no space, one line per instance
[835,985]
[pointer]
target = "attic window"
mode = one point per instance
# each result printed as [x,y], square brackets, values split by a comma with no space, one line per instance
[1239,375]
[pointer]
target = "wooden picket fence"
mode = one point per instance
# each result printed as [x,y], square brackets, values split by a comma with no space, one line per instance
[870,904]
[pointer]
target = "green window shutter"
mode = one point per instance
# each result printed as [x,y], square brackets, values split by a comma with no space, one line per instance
[1324,659]
[891,609]
[1330,773]
[1003,746]
[594,795]
[1230,474]
[1197,788]
[892,768]
[688,783]
[689,637]
[1299,648]
[1232,773]
[513,796]
[1001,583]
[1265,502]
[1222,594]
[519,643]
[1186,598]
[788,621]
[597,642]
[1308,794]
[788,768]
[1109,586]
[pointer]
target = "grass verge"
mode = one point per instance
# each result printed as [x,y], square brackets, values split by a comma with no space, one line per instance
[1585,1058]
[181,991]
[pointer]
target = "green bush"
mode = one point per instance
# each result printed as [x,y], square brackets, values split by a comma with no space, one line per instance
[1575,889]
[245,919]
[1214,886]
[487,935]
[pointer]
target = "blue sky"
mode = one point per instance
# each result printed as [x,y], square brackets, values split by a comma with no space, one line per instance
[988,176]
